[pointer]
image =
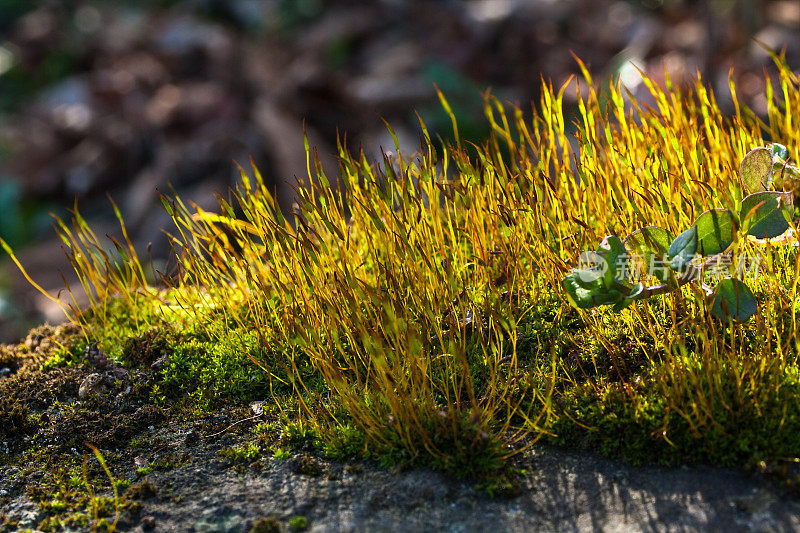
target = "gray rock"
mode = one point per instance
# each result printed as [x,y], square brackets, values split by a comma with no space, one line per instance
[92,384]
[215,520]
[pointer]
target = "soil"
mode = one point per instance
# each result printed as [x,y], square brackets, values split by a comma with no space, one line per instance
[195,472]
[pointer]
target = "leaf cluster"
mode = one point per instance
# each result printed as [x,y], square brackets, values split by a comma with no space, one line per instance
[763,216]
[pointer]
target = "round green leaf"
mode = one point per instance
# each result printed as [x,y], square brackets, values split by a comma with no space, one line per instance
[762,214]
[779,151]
[683,248]
[586,296]
[652,243]
[732,299]
[756,169]
[588,278]
[612,252]
[716,230]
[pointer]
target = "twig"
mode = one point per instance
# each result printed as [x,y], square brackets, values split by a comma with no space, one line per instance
[234,424]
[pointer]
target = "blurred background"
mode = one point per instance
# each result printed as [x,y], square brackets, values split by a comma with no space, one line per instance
[124,98]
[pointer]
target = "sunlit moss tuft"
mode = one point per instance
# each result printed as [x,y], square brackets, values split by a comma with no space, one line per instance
[412,308]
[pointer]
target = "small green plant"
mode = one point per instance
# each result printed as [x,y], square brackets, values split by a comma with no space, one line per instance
[262,428]
[143,470]
[763,215]
[99,503]
[298,433]
[281,454]
[298,523]
[156,395]
[53,506]
[240,454]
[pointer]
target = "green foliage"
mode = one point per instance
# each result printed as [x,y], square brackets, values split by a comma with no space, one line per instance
[602,284]
[281,454]
[653,244]
[240,454]
[763,215]
[211,370]
[756,170]
[65,355]
[299,433]
[683,249]
[649,429]
[298,523]
[716,230]
[98,504]
[345,442]
[733,299]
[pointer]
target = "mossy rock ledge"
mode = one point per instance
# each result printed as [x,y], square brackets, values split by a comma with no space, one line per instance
[404,352]
[215,470]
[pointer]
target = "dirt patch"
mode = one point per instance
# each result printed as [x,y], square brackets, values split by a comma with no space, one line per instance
[61,407]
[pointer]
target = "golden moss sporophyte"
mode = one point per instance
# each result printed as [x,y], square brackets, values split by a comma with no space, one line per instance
[429,308]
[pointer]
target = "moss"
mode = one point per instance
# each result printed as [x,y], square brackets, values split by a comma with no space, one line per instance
[145,350]
[380,324]
[298,434]
[141,491]
[281,454]
[298,523]
[240,454]
[344,442]
[266,525]
[308,466]
[646,429]
[214,371]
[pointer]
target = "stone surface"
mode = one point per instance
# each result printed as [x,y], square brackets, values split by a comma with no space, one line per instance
[561,491]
